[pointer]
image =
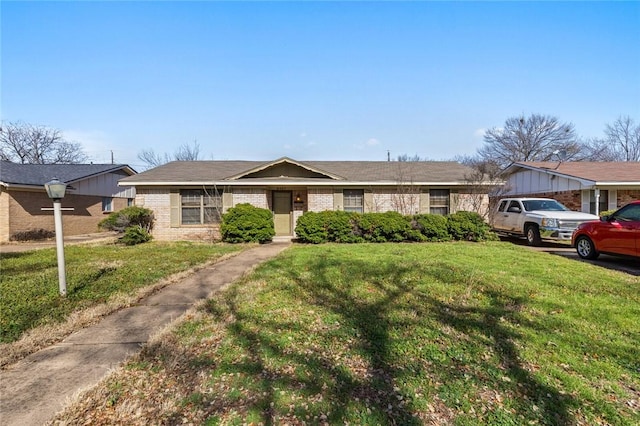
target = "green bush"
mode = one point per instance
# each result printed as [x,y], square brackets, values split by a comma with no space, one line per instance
[342,227]
[135,235]
[245,223]
[433,227]
[383,227]
[328,226]
[348,227]
[128,217]
[468,226]
[312,228]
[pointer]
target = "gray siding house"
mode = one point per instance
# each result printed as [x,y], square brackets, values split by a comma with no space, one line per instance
[92,192]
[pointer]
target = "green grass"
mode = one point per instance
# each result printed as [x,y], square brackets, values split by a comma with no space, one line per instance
[29,280]
[447,333]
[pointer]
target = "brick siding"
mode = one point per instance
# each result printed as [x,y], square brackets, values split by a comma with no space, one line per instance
[320,199]
[627,195]
[157,200]
[24,213]
[256,197]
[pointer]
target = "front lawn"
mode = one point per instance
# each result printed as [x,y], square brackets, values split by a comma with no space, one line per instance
[95,274]
[407,334]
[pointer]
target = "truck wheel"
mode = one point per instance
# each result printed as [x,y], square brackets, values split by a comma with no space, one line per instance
[585,248]
[533,235]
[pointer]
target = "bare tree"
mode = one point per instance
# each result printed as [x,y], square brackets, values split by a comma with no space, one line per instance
[34,144]
[406,198]
[407,157]
[621,142]
[153,159]
[485,185]
[185,152]
[534,138]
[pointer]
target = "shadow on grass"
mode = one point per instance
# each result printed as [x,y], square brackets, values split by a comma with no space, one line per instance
[381,390]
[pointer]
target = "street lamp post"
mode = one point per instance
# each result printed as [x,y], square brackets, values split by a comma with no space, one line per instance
[55,191]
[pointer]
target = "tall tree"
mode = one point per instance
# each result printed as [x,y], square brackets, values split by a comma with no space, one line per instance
[185,152]
[34,144]
[534,138]
[621,142]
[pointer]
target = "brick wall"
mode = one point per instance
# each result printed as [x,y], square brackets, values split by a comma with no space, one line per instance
[24,213]
[157,200]
[256,197]
[627,195]
[571,199]
[4,215]
[320,199]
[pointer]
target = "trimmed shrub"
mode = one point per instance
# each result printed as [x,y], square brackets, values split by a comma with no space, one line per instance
[130,216]
[328,226]
[433,227]
[246,223]
[342,227]
[383,227]
[135,235]
[348,227]
[468,226]
[312,228]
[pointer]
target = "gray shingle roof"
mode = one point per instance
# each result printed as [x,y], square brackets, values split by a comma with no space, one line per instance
[346,171]
[39,174]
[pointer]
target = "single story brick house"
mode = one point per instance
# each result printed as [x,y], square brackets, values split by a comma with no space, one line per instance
[187,197]
[590,187]
[92,192]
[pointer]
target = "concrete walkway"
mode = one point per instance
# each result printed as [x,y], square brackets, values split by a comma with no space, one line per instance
[39,386]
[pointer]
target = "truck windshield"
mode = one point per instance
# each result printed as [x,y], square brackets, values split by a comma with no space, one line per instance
[550,205]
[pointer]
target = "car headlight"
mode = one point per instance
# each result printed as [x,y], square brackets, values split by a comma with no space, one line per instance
[550,223]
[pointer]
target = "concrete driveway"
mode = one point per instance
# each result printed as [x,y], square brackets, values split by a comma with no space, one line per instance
[629,266]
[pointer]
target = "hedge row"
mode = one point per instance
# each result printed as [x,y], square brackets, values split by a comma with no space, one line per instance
[347,227]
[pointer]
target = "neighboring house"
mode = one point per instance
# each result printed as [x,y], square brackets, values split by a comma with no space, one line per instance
[590,187]
[187,197]
[92,192]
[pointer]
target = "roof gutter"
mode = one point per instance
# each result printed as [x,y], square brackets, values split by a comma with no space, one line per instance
[292,183]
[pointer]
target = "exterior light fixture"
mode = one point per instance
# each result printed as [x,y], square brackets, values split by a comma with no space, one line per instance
[298,199]
[55,190]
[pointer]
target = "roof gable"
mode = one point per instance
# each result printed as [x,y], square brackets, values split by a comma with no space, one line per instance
[285,168]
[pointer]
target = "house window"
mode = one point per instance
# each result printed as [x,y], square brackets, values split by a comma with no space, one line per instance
[354,200]
[107,204]
[129,202]
[603,204]
[200,206]
[439,201]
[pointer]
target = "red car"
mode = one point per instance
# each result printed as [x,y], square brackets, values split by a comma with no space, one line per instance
[617,234]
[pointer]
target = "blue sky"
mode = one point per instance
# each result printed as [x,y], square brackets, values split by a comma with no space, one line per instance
[313,80]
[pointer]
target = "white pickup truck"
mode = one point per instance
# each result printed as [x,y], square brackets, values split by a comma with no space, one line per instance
[537,219]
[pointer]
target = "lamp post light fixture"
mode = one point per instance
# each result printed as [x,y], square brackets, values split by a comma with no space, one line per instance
[55,191]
